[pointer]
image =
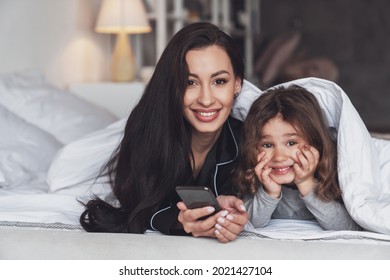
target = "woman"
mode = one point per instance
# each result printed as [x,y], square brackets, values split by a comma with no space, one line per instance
[180,133]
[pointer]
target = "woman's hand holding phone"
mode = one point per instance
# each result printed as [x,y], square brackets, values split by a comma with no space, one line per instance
[224,225]
[190,219]
[197,210]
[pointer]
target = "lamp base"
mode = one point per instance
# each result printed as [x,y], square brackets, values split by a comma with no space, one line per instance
[122,65]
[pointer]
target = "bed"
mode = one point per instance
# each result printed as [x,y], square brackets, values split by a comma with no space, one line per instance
[54,143]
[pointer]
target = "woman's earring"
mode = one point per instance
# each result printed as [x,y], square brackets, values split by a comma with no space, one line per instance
[235,95]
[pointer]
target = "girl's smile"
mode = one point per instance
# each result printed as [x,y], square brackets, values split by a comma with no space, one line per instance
[281,170]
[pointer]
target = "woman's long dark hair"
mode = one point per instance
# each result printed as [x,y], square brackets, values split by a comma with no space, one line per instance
[154,154]
[300,108]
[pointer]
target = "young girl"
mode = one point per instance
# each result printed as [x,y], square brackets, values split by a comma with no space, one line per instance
[288,163]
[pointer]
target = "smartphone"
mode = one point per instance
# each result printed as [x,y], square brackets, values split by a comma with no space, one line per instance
[197,196]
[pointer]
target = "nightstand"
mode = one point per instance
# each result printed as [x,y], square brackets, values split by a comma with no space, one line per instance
[117,98]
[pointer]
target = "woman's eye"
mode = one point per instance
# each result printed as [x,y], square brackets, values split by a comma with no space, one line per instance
[220,81]
[190,82]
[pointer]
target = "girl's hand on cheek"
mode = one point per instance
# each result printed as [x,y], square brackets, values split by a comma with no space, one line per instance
[308,158]
[263,175]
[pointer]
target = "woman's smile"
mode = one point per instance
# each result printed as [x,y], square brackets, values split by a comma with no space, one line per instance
[206,115]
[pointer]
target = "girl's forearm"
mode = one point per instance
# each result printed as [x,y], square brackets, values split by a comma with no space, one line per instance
[260,208]
[330,215]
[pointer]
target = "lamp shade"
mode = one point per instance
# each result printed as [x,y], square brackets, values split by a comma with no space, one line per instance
[122,16]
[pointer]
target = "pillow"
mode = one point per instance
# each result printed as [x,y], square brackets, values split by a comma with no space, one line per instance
[81,161]
[60,113]
[25,150]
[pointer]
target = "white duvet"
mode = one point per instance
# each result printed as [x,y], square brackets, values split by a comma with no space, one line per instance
[363,161]
[364,167]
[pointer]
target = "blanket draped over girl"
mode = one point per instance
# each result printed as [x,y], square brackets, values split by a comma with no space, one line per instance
[363,161]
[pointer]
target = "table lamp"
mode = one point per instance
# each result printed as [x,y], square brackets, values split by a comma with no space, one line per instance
[122,17]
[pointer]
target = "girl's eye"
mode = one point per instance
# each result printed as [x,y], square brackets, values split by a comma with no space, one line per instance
[266,145]
[291,143]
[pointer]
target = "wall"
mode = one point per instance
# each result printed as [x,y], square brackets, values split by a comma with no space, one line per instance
[354,34]
[55,36]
